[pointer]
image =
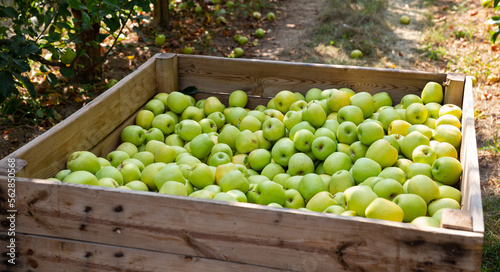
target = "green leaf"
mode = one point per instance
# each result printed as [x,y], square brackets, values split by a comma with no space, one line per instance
[86,18]
[67,72]
[76,4]
[9,12]
[112,3]
[40,113]
[26,82]
[189,90]
[7,85]
[52,79]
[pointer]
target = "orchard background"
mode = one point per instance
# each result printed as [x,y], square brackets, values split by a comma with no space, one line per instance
[56,56]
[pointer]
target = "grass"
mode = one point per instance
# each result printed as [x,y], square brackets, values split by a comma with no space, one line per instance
[491,245]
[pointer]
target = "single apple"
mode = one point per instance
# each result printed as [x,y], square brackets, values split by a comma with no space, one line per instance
[283,100]
[323,146]
[282,151]
[380,100]
[160,39]
[393,172]
[340,181]
[358,198]
[83,161]
[271,170]
[369,132]
[364,168]
[364,101]
[311,184]
[388,188]
[273,129]
[144,119]
[382,152]
[177,102]
[165,123]
[411,141]
[320,201]
[201,176]
[81,177]
[337,161]
[294,199]
[350,113]
[384,209]
[347,132]
[418,169]
[413,206]
[423,186]
[234,180]
[447,170]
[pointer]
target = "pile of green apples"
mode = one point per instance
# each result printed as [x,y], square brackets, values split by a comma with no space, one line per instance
[331,151]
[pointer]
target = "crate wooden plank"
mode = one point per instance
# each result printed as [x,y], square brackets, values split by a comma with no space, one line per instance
[167,75]
[267,78]
[456,219]
[237,232]
[454,89]
[46,154]
[38,253]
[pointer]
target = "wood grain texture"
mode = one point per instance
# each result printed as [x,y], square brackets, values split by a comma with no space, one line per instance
[47,154]
[267,78]
[237,232]
[166,73]
[38,253]
[470,184]
[454,89]
[456,219]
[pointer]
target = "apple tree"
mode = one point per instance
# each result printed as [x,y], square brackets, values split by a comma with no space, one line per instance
[61,35]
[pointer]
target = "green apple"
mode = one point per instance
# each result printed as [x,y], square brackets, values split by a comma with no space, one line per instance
[68,55]
[311,184]
[155,106]
[129,172]
[271,170]
[273,113]
[234,180]
[238,195]
[411,141]
[340,181]
[344,148]
[212,104]
[267,192]
[259,158]
[218,158]
[177,102]
[432,92]
[356,54]
[409,99]
[433,110]
[223,196]
[144,119]
[350,113]
[116,157]
[228,135]
[170,172]
[313,94]
[238,98]
[165,123]
[154,134]
[347,132]
[134,134]
[337,161]
[364,168]
[273,129]
[213,188]
[246,142]
[292,118]
[270,16]
[369,132]
[358,198]
[424,154]
[442,203]
[394,173]
[418,169]
[423,186]
[422,129]
[206,194]
[282,151]
[320,201]
[402,114]
[201,146]
[201,176]
[137,185]
[349,91]
[387,115]
[251,123]
[448,133]
[219,118]
[207,125]
[300,164]
[382,152]
[357,150]
[393,140]
[384,209]
[399,127]
[137,162]
[388,188]
[446,191]
[173,188]
[192,113]
[153,146]
[338,100]
[260,115]
[364,101]
[65,172]
[303,139]
[413,206]
[149,173]
[299,126]
[403,163]
[188,129]
[160,39]
[256,179]
[281,178]
[323,146]
[165,154]
[283,100]
[234,115]
[380,100]
[340,199]
[222,147]
[222,170]
[163,97]
[294,199]
[416,113]
[426,221]
[81,177]
[447,170]
[83,161]
[371,181]
[314,114]
[103,162]
[263,142]
[448,119]
[450,109]
[107,182]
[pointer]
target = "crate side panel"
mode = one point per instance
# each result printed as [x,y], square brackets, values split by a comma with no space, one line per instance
[47,154]
[39,253]
[267,78]
[237,232]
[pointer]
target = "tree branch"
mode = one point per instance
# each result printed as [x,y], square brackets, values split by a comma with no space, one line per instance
[42,60]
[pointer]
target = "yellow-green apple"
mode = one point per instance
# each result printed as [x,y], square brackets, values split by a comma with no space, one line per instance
[281,178]
[193,113]
[382,152]
[246,142]
[234,180]
[292,118]
[65,172]
[263,142]
[261,108]
[303,139]
[347,132]
[155,106]
[384,209]
[313,94]
[207,125]
[438,214]
[380,100]
[282,151]
[441,203]
[422,129]
[273,113]
[448,119]
[129,172]
[394,173]
[103,162]
[294,199]
[340,199]
[340,181]
[273,129]
[206,194]
[349,213]
[350,113]
[403,163]
[223,196]
[402,113]
[165,154]
[314,114]
[83,160]
[239,195]
[238,98]
[283,100]
[160,39]
[261,116]
[144,119]
[134,134]
[300,164]
[164,122]
[299,105]
[81,177]
[331,124]
[222,170]
[213,188]
[413,206]
[338,100]
[299,126]
[364,101]
[325,94]
[446,191]
[386,116]
[219,118]
[416,113]
[189,160]
[259,158]
[267,192]
[256,179]
[201,146]
[107,182]
[344,148]
[218,158]
[177,102]
[137,185]
[137,162]
[235,115]
[411,141]
[311,184]
[271,170]
[423,186]
[334,209]
[364,168]
[320,201]
[153,146]
[393,139]
[154,134]
[149,173]
[418,169]
[228,135]
[170,172]
[201,176]
[325,132]
[173,188]
[409,99]
[371,181]
[369,132]
[188,129]
[432,92]
[174,140]
[270,104]
[115,157]
[212,104]
[388,188]
[447,170]
[335,162]
[448,133]
[322,147]
[450,109]
[163,97]
[241,159]
[399,127]
[356,54]
[426,221]
[423,154]
[357,150]
[358,198]
[433,109]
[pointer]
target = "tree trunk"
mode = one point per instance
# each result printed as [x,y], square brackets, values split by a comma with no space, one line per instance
[160,14]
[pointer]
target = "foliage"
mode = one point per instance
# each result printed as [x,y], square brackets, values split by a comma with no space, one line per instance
[496,21]
[55,34]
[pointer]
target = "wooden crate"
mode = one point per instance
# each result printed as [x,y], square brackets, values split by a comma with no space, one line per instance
[69,227]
